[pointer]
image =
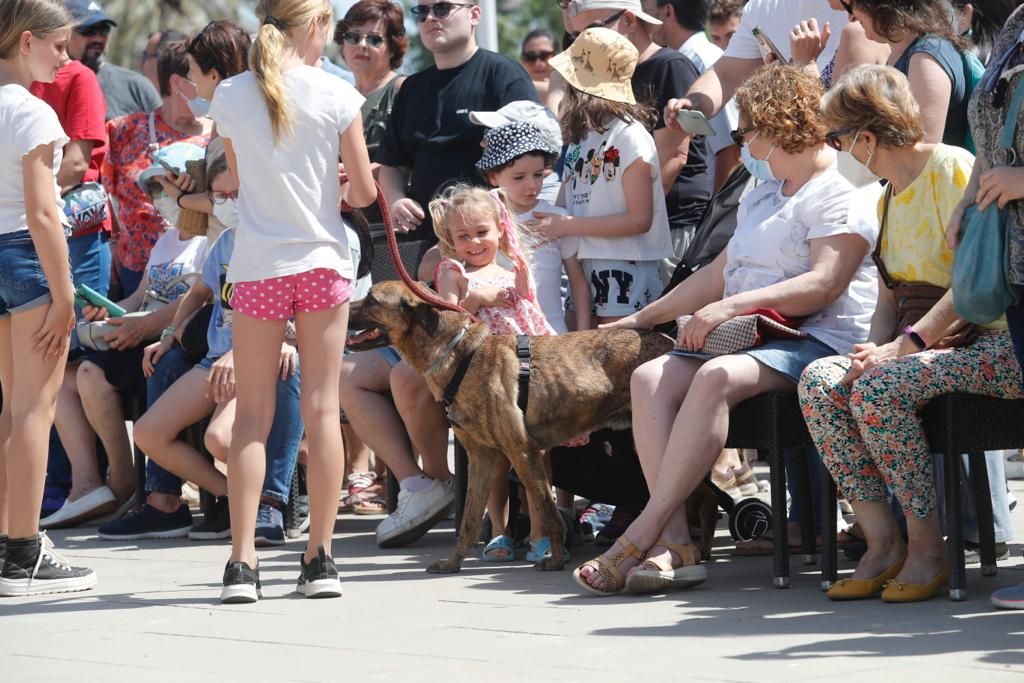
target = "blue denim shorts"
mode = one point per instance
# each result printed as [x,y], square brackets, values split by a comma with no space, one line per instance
[788,357]
[22,283]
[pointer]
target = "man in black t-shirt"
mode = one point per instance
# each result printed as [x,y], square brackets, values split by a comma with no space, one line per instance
[661,73]
[430,142]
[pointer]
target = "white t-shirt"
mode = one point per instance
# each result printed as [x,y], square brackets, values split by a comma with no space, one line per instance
[772,244]
[361,286]
[777,18]
[26,122]
[288,197]
[592,183]
[546,267]
[171,258]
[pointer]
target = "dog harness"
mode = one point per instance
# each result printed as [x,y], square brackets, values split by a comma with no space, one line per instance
[523,353]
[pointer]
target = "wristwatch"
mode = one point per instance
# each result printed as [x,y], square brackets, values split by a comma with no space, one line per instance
[915,338]
[167,332]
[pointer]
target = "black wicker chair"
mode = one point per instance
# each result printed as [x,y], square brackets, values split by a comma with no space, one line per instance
[953,424]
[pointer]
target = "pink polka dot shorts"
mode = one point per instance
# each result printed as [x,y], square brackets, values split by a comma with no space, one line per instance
[280,298]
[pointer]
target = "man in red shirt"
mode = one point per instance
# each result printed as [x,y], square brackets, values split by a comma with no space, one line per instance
[76,96]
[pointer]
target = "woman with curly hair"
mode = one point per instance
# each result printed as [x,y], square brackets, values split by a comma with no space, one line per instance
[801,249]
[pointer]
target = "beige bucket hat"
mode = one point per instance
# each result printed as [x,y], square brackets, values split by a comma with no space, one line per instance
[600,62]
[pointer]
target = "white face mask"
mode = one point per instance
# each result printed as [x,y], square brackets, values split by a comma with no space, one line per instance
[167,207]
[227,213]
[857,173]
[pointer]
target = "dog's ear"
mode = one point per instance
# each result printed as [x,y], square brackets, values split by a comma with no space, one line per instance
[421,314]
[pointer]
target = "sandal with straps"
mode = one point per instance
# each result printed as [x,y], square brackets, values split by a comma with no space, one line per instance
[653,577]
[608,569]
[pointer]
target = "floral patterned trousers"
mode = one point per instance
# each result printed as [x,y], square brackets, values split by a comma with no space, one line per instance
[869,433]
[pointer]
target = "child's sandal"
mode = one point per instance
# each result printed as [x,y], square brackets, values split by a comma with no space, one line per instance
[653,577]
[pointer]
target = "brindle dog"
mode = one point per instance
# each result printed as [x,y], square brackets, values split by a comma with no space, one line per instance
[579,382]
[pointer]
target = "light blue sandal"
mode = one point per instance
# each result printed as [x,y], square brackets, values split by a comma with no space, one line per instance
[540,550]
[496,544]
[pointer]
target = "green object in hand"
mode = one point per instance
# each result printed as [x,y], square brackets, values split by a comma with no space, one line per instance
[87,295]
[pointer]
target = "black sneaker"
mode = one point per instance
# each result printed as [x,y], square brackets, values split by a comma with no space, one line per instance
[972,552]
[3,550]
[148,522]
[216,525]
[319,578]
[297,523]
[241,584]
[33,567]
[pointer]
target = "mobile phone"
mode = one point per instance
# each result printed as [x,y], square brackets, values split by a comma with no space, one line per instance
[87,295]
[166,166]
[767,46]
[693,121]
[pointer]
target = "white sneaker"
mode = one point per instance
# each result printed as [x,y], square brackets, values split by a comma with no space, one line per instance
[96,503]
[416,514]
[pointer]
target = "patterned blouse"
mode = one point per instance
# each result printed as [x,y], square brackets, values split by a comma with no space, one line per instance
[140,223]
[987,113]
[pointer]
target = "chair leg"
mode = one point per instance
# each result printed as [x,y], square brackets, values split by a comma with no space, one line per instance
[983,513]
[461,482]
[829,551]
[955,527]
[805,499]
[780,549]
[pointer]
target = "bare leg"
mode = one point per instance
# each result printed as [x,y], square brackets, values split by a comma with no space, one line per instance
[156,432]
[424,419]
[102,404]
[497,505]
[218,433]
[78,439]
[321,338]
[885,545]
[30,399]
[257,352]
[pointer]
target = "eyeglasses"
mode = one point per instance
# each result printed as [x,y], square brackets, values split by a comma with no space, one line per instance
[356,38]
[737,135]
[847,6]
[608,20]
[542,56]
[101,29]
[221,197]
[440,10]
[834,138]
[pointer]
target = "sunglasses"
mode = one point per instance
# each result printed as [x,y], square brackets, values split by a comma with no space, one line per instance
[221,197]
[737,135]
[834,138]
[440,10]
[847,6]
[356,38]
[608,20]
[542,56]
[101,29]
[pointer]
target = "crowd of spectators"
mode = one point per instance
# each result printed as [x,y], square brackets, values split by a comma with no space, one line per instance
[229,181]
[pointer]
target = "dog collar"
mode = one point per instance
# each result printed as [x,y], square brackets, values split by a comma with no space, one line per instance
[447,351]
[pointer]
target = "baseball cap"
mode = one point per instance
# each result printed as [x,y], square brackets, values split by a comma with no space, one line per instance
[632,6]
[508,142]
[87,13]
[526,111]
[600,62]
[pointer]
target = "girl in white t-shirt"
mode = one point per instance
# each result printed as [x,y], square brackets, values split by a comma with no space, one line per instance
[611,184]
[36,294]
[284,124]
[516,158]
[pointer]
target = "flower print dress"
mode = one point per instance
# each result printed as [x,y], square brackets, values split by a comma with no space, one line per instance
[522,317]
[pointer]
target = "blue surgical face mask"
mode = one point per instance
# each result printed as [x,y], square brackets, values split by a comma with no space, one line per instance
[759,168]
[199,107]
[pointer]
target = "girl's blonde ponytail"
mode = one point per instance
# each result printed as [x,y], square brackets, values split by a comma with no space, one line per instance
[265,57]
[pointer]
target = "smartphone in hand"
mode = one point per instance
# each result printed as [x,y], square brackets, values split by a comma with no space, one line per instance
[767,46]
[694,122]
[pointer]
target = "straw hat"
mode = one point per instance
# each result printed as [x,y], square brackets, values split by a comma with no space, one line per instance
[600,62]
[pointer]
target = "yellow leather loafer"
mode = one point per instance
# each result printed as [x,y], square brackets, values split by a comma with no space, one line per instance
[915,592]
[859,589]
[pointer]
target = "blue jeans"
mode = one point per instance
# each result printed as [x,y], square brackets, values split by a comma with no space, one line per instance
[90,261]
[282,444]
[130,279]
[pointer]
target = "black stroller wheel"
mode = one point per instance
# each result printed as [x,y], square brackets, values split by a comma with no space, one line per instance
[750,519]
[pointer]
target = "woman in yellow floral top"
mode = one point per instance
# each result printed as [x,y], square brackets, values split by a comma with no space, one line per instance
[861,409]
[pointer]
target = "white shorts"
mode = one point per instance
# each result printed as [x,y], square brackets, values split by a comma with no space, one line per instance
[620,288]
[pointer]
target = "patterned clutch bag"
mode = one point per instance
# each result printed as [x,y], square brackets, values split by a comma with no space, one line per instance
[746,331]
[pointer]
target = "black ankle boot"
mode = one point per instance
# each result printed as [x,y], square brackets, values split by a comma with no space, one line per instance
[32,567]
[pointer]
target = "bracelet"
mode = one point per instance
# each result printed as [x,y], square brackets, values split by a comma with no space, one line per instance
[178,200]
[915,338]
[167,332]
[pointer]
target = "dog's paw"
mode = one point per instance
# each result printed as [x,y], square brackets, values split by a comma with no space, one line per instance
[551,564]
[444,567]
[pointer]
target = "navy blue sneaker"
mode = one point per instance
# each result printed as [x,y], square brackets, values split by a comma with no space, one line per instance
[148,522]
[269,526]
[53,499]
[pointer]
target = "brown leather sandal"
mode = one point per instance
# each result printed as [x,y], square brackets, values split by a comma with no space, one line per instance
[608,569]
[654,577]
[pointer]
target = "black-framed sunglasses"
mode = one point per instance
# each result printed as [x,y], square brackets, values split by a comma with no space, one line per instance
[100,29]
[356,38]
[541,56]
[847,6]
[834,138]
[611,19]
[738,134]
[440,10]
